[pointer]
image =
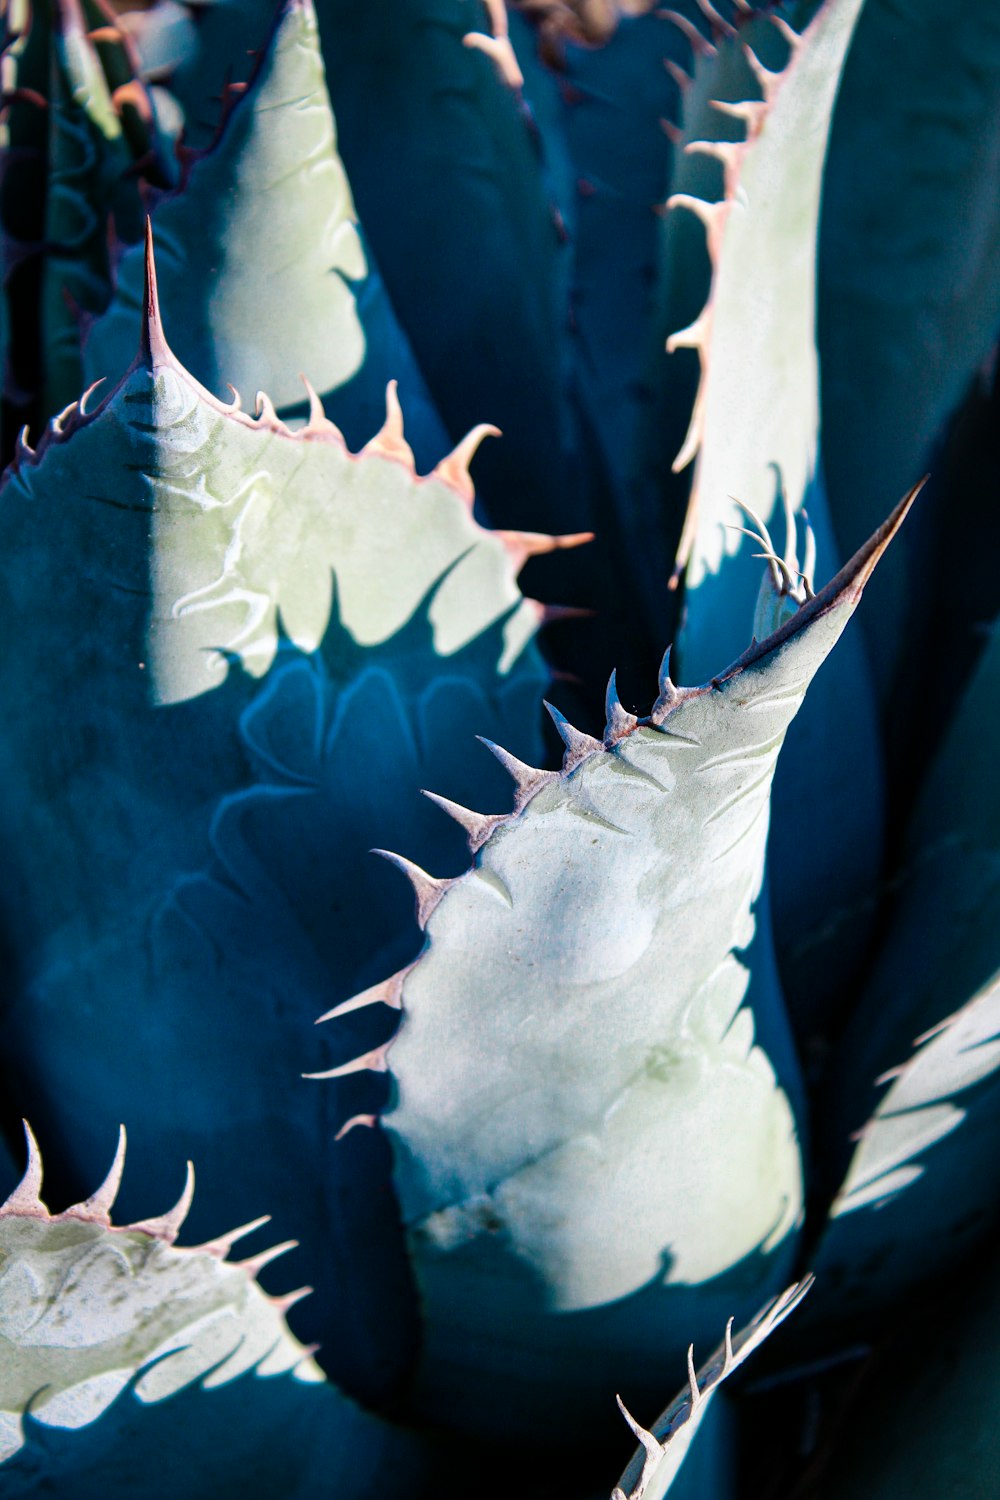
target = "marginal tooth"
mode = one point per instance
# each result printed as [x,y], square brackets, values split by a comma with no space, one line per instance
[99,1205]
[389,441]
[375,1061]
[237,402]
[26,1197]
[285,1303]
[355,1120]
[528,779]
[265,413]
[221,1246]
[695,1389]
[105,34]
[753,113]
[388,992]
[427,889]
[699,43]
[168,1226]
[552,614]
[729,1359]
[136,95]
[88,393]
[767,79]
[254,1264]
[454,467]
[716,19]
[791,36]
[673,133]
[688,452]
[683,80]
[694,336]
[153,347]
[668,689]
[477,825]
[61,419]
[23,448]
[620,721]
[654,1449]
[808,555]
[497,12]
[578,744]
[712,215]
[501,54]
[729,153]
[524,544]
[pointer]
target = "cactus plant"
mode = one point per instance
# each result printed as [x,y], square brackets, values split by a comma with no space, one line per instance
[697,1016]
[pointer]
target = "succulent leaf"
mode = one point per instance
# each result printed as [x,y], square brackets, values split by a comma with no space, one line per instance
[929,1118]
[606,938]
[662,1450]
[99,1321]
[255,615]
[263,265]
[755,440]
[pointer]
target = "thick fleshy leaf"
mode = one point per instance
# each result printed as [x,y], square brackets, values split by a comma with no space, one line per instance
[926,1421]
[267,640]
[656,1467]
[909,278]
[754,436]
[929,1118]
[454,168]
[263,265]
[593,1122]
[100,1323]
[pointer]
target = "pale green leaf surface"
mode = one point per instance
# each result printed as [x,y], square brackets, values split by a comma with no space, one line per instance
[595,1144]
[263,265]
[102,1325]
[755,434]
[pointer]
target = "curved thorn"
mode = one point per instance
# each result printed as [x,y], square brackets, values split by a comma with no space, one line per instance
[696,1395]
[698,42]
[427,888]
[389,441]
[619,721]
[82,404]
[652,1446]
[388,992]
[668,689]
[254,1264]
[764,536]
[223,1243]
[578,744]
[288,1300]
[375,1061]
[501,54]
[528,779]
[265,413]
[26,1197]
[23,448]
[168,1226]
[454,467]
[317,416]
[729,1357]
[478,826]
[369,1120]
[100,1203]
[237,402]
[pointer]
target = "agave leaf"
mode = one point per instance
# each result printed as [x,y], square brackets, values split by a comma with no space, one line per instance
[99,1321]
[656,1465]
[455,165]
[909,275]
[228,34]
[263,265]
[929,1118]
[190,714]
[754,436]
[942,1363]
[593,1038]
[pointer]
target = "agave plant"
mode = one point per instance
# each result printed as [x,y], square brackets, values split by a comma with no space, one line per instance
[683,1043]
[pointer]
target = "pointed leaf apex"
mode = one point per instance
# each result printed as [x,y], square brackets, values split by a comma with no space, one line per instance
[26,1197]
[426,888]
[97,1208]
[153,347]
[454,467]
[168,1226]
